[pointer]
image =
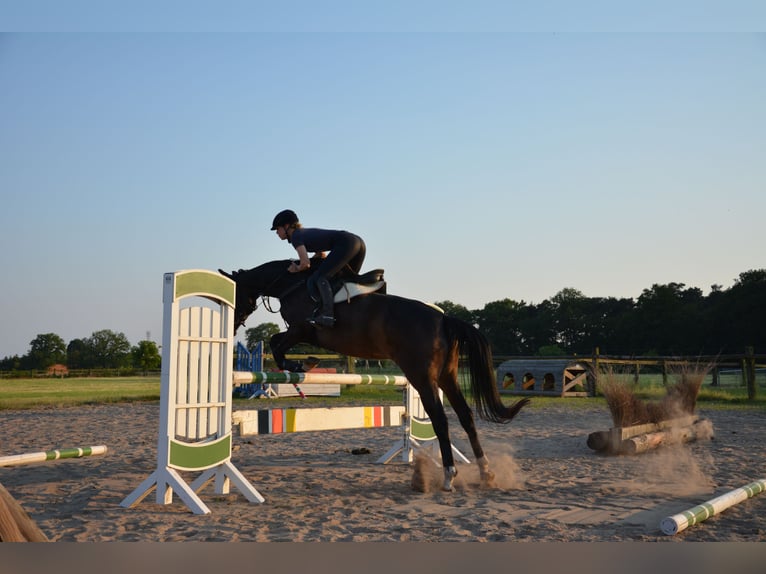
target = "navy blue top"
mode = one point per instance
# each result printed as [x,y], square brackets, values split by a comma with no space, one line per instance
[316,240]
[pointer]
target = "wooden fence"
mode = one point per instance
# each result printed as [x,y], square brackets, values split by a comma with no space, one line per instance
[747,362]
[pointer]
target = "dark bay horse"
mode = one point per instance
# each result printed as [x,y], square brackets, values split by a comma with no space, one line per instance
[424,342]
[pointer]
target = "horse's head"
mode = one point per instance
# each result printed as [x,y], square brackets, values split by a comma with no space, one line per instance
[268,280]
[244,304]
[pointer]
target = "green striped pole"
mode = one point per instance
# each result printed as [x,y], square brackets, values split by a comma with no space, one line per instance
[244,378]
[678,522]
[32,457]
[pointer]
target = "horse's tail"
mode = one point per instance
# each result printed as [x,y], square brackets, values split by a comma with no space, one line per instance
[474,345]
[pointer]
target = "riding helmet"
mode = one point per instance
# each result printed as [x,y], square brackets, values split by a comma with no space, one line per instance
[285,217]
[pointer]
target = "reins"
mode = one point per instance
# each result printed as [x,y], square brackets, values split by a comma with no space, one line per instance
[267,298]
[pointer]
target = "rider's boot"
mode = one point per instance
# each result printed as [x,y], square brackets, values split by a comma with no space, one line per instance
[324,316]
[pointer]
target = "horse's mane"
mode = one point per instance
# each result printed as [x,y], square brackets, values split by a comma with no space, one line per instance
[267,272]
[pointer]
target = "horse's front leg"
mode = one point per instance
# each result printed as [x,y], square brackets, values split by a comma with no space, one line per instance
[280,344]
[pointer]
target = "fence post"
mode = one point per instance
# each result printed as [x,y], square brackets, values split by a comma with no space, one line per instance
[749,372]
[596,372]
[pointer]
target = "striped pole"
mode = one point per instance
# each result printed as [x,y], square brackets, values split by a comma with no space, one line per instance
[244,378]
[32,457]
[678,522]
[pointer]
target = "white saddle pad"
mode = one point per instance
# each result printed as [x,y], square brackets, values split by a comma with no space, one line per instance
[351,290]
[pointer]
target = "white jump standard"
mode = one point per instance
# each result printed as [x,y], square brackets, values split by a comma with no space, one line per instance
[196,393]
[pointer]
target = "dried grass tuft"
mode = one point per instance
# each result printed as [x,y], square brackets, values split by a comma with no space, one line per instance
[627,409]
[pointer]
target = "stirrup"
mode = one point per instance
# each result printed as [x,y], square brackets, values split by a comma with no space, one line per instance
[322,320]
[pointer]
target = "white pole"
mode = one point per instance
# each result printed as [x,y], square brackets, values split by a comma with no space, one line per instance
[678,522]
[32,457]
[246,377]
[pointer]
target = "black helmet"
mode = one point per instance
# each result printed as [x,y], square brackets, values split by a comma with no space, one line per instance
[286,217]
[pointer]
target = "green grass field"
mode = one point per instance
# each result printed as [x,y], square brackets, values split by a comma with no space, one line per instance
[29,393]
[54,392]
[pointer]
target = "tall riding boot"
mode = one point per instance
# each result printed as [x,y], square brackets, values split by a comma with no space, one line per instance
[325,316]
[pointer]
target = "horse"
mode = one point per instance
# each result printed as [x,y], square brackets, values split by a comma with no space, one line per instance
[421,339]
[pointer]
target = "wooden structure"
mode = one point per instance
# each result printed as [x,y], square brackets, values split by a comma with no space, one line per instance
[552,377]
[642,438]
[748,364]
[196,392]
[57,370]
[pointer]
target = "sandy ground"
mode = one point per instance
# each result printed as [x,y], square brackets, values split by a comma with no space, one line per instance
[550,485]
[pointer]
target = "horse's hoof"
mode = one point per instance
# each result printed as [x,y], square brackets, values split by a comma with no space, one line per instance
[310,362]
[450,472]
[488,479]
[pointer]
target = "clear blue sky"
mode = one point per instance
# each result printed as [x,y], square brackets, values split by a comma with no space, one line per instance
[478,161]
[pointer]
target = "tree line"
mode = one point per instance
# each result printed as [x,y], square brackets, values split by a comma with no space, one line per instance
[665,320]
[104,349]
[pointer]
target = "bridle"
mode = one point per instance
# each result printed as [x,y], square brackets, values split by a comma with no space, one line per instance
[266,299]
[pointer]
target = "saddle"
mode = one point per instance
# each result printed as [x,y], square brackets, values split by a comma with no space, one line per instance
[347,287]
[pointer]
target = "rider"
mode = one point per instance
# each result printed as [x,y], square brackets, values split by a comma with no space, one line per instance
[344,249]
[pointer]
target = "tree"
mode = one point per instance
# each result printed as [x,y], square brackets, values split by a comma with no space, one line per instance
[536,325]
[568,308]
[739,316]
[78,355]
[669,320]
[109,350]
[615,331]
[499,321]
[456,310]
[13,363]
[46,350]
[146,356]
[262,332]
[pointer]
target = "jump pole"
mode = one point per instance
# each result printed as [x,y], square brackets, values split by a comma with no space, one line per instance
[671,525]
[245,377]
[54,454]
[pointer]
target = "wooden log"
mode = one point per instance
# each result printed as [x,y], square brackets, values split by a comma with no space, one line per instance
[623,433]
[599,440]
[649,441]
[618,440]
[643,443]
[15,523]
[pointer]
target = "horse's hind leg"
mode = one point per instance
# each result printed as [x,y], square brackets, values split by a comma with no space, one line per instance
[429,397]
[465,416]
